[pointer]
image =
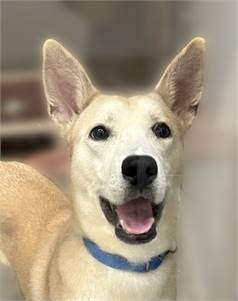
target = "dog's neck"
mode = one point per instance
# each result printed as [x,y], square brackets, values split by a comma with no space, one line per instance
[121,263]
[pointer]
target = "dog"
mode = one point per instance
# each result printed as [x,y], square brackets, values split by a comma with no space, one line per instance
[117,239]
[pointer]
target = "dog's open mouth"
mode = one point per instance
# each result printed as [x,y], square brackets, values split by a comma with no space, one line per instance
[135,220]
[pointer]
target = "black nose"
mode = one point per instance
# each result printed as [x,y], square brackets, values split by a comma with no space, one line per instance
[140,171]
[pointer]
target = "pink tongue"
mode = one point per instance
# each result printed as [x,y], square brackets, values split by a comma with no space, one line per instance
[136,216]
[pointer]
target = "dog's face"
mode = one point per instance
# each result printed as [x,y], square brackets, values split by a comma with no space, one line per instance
[126,151]
[125,154]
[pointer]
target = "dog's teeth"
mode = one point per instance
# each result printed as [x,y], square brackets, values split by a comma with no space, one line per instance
[121,222]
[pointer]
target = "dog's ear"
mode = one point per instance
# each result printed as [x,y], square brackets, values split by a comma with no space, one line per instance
[66,84]
[181,84]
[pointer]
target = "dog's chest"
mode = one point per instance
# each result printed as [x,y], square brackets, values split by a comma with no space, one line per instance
[91,280]
[115,286]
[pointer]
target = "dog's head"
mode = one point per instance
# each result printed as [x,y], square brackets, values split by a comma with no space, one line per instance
[126,151]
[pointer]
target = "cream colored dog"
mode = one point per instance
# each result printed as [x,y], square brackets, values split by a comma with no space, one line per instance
[116,241]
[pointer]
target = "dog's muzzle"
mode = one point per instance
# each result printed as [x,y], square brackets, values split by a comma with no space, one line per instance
[136,218]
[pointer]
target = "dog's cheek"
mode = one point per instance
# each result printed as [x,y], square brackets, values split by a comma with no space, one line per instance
[85,167]
[161,183]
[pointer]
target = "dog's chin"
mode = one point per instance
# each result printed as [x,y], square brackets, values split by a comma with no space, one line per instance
[135,220]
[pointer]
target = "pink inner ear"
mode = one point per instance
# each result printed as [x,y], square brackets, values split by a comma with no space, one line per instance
[66,104]
[69,98]
[186,90]
[182,96]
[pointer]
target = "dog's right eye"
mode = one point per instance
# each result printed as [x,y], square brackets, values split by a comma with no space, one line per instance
[99,133]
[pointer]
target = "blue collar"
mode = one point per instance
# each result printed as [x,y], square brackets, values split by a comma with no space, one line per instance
[121,263]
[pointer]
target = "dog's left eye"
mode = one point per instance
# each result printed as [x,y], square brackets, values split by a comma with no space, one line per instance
[99,133]
[161,130]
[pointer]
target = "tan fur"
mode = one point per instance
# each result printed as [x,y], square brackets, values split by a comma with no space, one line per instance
[41,231]
[32,212]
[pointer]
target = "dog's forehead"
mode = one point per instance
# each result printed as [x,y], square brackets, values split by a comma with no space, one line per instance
[112,106]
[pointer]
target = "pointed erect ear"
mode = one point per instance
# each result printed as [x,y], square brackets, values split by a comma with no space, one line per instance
[181,84]
[67,86]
